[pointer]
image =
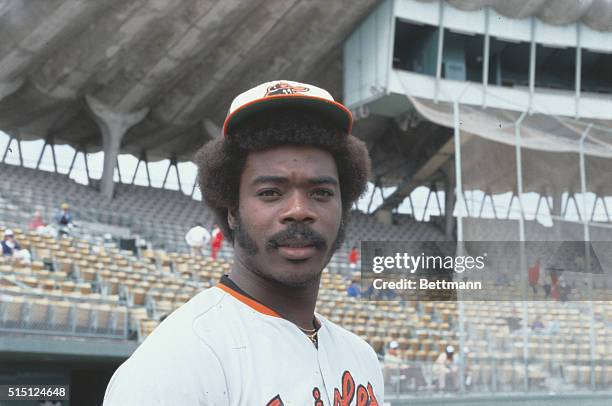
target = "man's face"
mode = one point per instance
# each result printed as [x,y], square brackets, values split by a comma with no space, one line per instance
[289,213]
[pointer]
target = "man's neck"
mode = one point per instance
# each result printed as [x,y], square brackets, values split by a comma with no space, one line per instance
[294,304]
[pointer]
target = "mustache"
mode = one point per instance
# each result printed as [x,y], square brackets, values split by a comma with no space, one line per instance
[297,231]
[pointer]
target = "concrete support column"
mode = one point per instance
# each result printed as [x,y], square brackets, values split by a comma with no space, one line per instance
[193,189]
[449,200]
[86,159]
[8,148]
[557,209]
[173,163]
[50,142]
[74,157]
[113,126]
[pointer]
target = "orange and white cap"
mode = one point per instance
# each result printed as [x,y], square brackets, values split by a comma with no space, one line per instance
[281,93]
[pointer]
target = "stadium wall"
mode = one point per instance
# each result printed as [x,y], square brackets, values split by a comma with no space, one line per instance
[569,399]
[85,365]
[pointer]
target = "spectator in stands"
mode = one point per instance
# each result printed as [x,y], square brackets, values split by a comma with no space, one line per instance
[36,222]
[554,289]
[9,244]
[64,216]
[392,366]
[564,290]
[108,242]
[217,241]
[534,276]
[369,292]
[142,245]
[514,321]
[537,325]
[467,367]
[551,286]
[353,257]
[554,277]
[64,219]
[197,238]
[12,248]
[399,373]
[354,289]
[386,294]
[446,371]
[215,230]
[554,327]
[392,354]
[38,225]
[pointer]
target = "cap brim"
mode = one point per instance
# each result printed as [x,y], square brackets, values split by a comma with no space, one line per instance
[331,110]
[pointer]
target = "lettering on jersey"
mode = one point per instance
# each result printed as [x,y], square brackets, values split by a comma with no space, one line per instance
[348,390]
[275,401]
[364,394]
[316,394]
[365,397]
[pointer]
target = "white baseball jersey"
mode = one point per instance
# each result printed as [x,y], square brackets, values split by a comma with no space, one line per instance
[225,348]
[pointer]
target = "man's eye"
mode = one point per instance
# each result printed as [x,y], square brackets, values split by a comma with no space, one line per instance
[268,193]
[323,193]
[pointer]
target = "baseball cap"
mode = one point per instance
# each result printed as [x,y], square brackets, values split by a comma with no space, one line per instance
[8,232]
[393,345]
[282,93]
[450,349]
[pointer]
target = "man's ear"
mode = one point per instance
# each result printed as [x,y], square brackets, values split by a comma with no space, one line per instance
[232,218]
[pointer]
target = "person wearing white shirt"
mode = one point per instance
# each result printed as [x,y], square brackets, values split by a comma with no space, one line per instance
[197,238]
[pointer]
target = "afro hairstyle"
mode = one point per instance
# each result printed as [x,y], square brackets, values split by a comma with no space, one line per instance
[221,161]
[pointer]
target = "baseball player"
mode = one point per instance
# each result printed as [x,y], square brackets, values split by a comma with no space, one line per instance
[281,181]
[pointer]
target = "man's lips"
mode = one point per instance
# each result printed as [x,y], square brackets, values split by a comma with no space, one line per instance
[296,251]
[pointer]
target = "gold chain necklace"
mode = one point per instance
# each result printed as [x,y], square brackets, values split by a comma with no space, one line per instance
[311,334]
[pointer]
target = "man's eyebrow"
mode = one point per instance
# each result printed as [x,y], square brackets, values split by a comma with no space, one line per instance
[269,179]
[320,180]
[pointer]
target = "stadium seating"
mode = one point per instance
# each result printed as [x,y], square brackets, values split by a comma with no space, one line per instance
[162,216]
[73,287]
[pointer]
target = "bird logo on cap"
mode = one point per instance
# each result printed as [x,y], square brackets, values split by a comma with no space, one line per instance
[284,88]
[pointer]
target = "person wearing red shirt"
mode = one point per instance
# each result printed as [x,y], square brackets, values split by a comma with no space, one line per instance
[534,276]
[353,257]
[216,242]
[36,222]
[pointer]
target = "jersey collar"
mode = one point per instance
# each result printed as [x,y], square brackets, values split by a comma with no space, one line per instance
[228,285]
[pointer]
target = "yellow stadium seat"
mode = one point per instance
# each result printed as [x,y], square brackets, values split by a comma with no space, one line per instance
[39,309]
[60,313]
[13,312]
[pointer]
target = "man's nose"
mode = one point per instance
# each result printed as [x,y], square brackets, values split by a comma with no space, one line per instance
[298,209]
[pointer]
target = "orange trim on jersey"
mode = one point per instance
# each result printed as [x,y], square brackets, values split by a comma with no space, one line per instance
[248,301]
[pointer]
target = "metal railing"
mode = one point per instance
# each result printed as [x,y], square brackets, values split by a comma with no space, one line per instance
[32,313]
[496,374]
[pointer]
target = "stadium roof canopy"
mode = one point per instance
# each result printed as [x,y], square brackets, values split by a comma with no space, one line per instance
[494,60]
[162,72]
[597,14]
